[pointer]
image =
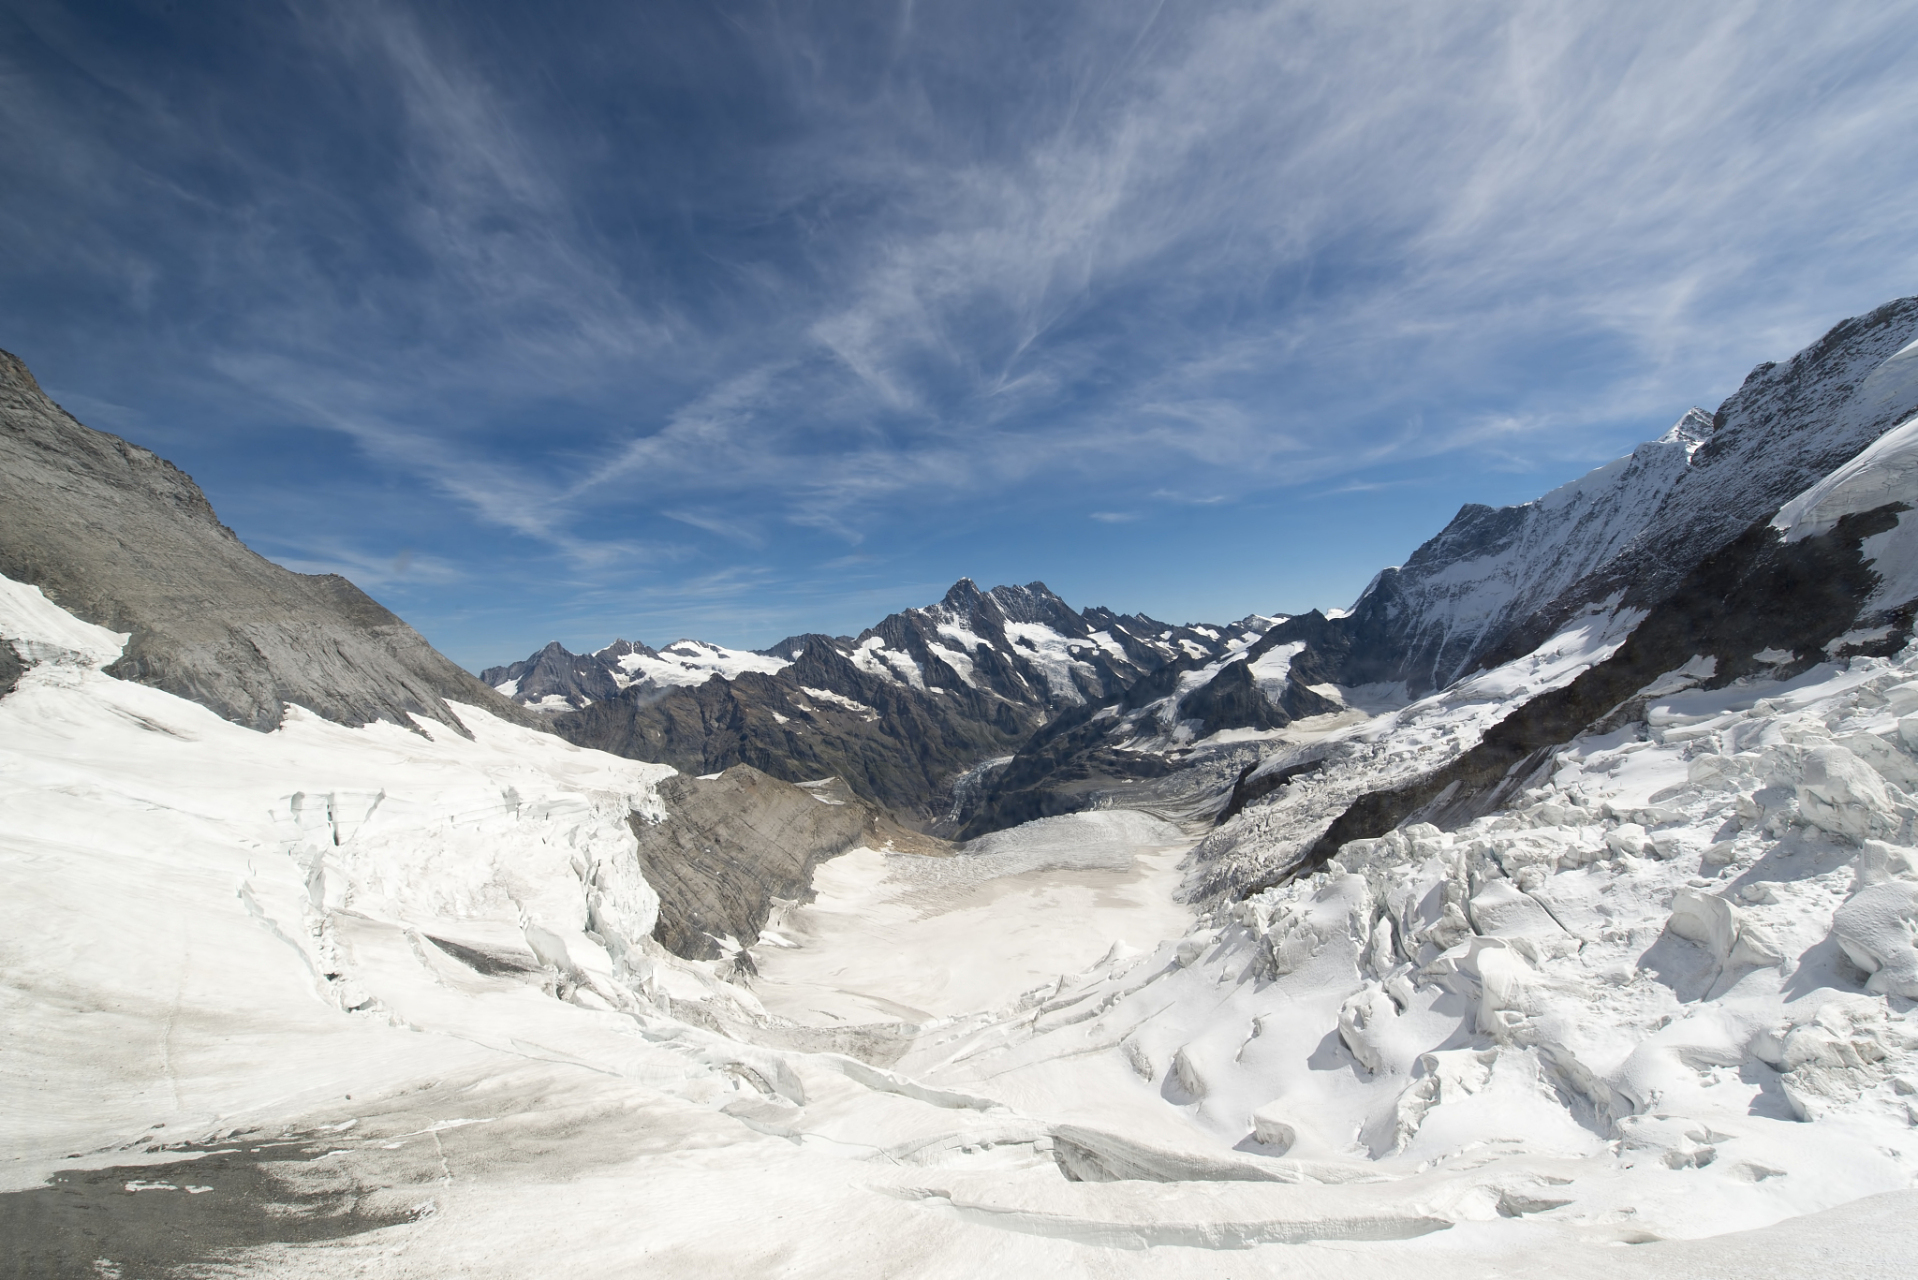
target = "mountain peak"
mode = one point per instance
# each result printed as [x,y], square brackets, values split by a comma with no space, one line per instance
[1691,430]
[1033,602]
[14,373]
[964,595]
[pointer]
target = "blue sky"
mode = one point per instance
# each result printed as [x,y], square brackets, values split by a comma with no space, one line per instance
[741,319]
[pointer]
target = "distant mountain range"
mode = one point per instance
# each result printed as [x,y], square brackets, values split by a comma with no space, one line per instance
[903,712]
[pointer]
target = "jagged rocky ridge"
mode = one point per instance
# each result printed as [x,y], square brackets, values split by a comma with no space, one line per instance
[903,711]
[122,538]
[556,680]
[1592,558]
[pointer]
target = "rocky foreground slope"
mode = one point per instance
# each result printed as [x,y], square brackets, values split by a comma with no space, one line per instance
[122,538]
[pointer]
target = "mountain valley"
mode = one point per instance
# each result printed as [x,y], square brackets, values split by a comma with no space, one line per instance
[1553,908]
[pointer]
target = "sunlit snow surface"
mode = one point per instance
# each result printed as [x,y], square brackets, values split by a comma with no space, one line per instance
[687,662]
[1634,1008]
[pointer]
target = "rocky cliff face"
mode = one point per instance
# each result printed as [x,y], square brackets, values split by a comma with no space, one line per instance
[122,538]
[1495,583]
[728,846]
[904,709]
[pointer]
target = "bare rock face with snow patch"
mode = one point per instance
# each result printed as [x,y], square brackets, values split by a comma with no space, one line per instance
[122,538]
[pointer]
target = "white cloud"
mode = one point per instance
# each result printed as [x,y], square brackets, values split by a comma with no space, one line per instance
[1208,250]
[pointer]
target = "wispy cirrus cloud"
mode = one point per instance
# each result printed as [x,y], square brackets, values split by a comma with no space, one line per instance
[639,298]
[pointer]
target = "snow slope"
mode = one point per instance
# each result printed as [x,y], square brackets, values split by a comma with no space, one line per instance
[1520,560]
[407,978]
[1668,996]
[1887,472]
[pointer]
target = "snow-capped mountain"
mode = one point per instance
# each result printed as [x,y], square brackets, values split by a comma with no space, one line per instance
[1573,572]
[1493,584]
[901,711]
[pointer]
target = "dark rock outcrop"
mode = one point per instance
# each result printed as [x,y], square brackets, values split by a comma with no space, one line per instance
[122,538]
[11,669]
[729,846]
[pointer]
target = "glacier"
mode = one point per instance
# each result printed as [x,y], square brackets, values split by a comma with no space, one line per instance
[1632,994]
[412,972]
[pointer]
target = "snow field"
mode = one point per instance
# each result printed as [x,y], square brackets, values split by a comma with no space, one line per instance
[430,955]
[1668,996]
[917,938]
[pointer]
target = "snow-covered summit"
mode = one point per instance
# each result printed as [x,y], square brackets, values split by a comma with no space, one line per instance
[1494,583]
[555,679]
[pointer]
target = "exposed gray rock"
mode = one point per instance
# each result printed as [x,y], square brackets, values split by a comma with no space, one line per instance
[730,845]
[122,538]
[11,669]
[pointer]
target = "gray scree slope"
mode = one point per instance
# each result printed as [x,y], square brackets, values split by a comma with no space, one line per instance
[124,539]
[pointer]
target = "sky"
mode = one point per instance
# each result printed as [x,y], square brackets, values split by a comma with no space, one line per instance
[739,320]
